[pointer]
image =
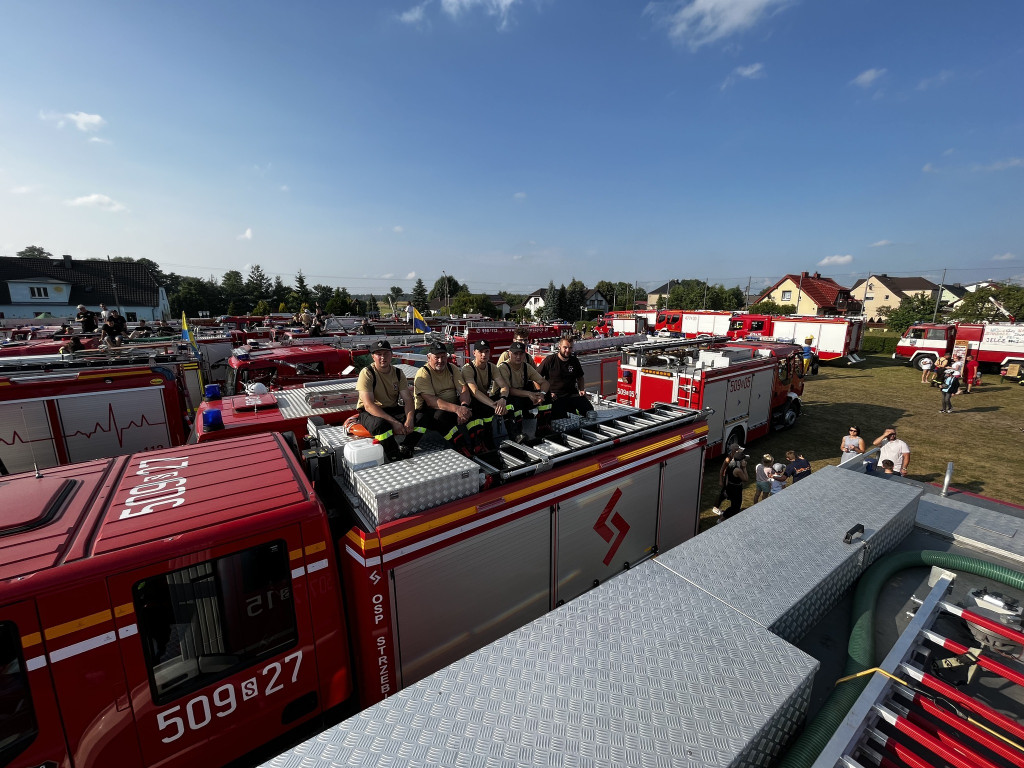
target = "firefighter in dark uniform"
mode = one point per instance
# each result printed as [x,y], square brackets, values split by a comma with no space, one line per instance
[490,394]
[565,373]
[442,402]
[386,403]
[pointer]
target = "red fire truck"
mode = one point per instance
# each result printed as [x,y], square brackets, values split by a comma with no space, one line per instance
[499,336]
[831,337]
[751,386]
[181,607]
[283,366]
[995,345]
[51,417]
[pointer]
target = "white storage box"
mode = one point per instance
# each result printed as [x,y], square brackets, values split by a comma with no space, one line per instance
[403,488]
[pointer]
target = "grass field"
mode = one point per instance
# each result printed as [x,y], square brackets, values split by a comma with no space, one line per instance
[983,437]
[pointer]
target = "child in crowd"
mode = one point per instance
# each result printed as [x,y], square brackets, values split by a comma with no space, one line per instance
[778,478]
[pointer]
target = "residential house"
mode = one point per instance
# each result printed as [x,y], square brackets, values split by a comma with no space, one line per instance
[535,301]
[812,295]
[501,305]
[662,290]
[31,287]
[596,301]
[881,290]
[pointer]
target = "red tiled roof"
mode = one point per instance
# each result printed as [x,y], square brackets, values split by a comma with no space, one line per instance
[823,291]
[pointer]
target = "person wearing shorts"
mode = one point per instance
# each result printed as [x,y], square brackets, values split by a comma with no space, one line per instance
[763,478]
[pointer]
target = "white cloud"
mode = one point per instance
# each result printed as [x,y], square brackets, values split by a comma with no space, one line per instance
[23,190]
[398,229]
[934,82]
[247,235]
[388,276]
[414,15]
[83,120]
[98,140]
[411,276]
[499,8]
[519,195]
[867,78]
[285,188]
[833,260]
[749,72]
[1002,165]
[1003,257]
[947,152]
[102,202]
[928,168]
[880,243]
[699,22]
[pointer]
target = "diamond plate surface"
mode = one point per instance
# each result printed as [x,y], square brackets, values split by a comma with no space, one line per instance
[428,480]
[783,562]
[645,670]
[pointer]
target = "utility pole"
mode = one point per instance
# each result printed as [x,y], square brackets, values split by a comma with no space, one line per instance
[113,285]
[746,295]
[705,293]
[799,292]
[938,298]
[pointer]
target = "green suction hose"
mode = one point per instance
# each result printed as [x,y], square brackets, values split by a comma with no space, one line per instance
[861,651]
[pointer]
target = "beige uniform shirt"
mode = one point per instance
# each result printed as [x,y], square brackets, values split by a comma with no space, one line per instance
[444,385]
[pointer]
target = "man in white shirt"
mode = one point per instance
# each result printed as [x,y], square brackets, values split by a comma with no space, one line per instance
[895,450]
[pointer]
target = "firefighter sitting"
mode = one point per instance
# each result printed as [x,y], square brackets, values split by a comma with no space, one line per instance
[564,372]
[442,403]
[385,403]
[527,388]
[490,395]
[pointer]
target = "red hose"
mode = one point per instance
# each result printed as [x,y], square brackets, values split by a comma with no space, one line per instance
[932,744]
[1001,748]
[983,622]
[971,703]
[983,661]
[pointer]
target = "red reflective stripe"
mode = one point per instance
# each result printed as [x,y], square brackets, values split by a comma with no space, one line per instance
[1001,748]
[985,623]
[933,745]
[973,704]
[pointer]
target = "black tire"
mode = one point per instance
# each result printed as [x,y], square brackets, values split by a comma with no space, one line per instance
[918,360]
[790,415]
[735,438]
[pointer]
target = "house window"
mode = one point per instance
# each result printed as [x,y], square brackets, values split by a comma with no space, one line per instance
[886,297]
[869,297]
[787,295]
[38,293]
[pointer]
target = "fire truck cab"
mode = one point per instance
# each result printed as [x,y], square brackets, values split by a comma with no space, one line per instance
[996,345]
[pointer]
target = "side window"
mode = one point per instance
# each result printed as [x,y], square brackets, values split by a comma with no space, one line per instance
[17,717]
[207,621]
[736,325]
[784,371]
[936,334]
[917,333]
[787,295]
[259,376]
[757,325]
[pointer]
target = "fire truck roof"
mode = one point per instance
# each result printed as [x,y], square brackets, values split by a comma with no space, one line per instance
[71,513]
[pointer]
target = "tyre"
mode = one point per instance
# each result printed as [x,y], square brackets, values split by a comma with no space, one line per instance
[790,415]
[735,438]
[922,358]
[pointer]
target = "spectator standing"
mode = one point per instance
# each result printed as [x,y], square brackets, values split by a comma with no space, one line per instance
[949,388]
[408,313]
[87,318]
[926,370]
[798,467]
[104,313]
[940,368]
[732,477]
[808,352]
[970,373]
[852,444]
[778,479]
[763,477]
[894,449]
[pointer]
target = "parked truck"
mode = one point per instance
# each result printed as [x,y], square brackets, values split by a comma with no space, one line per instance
[994,345]
[181,607]
[832,338]
[750,387]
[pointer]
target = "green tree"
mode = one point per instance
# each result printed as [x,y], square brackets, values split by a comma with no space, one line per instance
[466,303]
[34,252]
[396,292]
[372,305]
[513,299]
[233,287]
[322,294]
[257,286]
[687,294]
[562,304]
[302,291]
[575,298]
[339,303]
[769,307]
[195,295]
[1012,298]
[549,311]
[991,304]
[721,298]
[912,309]
[454,288]
[261,308]
[420,299]
[279,293]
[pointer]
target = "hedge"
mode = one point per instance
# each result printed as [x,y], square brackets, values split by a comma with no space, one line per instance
[879,343]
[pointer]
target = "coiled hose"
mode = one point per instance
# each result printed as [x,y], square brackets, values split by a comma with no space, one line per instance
[861,650]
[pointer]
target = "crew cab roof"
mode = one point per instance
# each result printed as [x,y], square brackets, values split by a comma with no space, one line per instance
[74,512]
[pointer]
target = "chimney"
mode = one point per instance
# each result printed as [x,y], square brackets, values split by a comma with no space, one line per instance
[67,261]
[817,275]
[803,274]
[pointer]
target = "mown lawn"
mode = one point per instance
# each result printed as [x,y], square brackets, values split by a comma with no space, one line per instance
[984,437]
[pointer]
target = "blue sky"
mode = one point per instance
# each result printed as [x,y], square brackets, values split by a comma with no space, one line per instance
[513,142]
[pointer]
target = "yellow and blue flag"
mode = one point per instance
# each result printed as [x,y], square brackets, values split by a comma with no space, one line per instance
[418,323]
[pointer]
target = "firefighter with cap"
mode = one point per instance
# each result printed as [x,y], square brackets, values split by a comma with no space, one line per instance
[490,395]
[527,388]
[443,402]
[386,403]
[521,334]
